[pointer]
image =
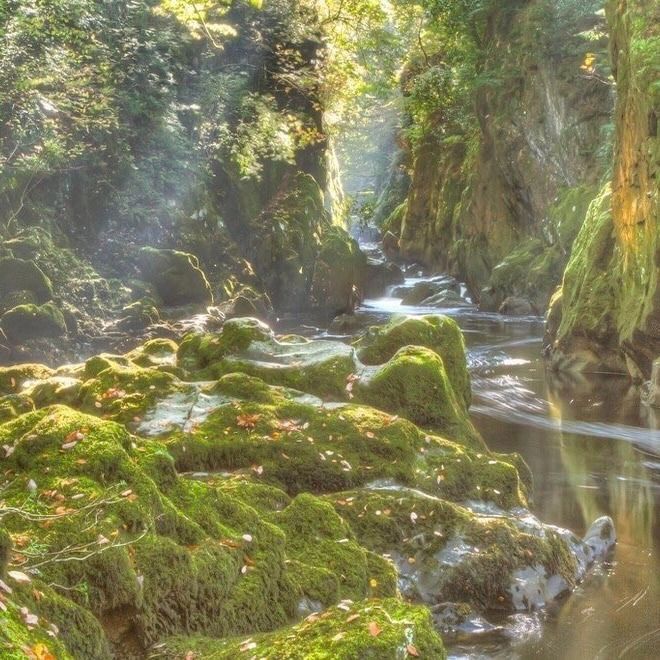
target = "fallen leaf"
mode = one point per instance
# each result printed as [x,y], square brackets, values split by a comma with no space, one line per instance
[352,618]
[247,421]
[19,577]
[41,652]
[338,636]
[248,645]
[374,629]
[412,650]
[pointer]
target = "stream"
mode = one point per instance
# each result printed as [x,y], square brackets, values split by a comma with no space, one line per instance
[593,450]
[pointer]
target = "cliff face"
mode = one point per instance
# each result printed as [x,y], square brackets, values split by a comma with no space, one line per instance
[499,205]
[607,316]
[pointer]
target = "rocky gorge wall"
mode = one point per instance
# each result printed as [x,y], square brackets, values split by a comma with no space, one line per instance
[607,315]
[498,199]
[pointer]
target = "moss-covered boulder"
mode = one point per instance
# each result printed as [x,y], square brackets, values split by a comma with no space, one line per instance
[175,275]
[444,551]
[248,346]
[18,275]
[379,629]
[338,273]
[282,438]
[415,384]
[26,322]
[13,379]
[439,333]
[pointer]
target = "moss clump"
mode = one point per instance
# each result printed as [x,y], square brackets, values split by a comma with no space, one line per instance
[12,379]
[13,405]
[33,321]
[415,384]
[439,333]
[124,392]
[199,351]
[21,275]
[321,541]
[248,346]
[340,633]
[176,276]
[155,353]
[589,300]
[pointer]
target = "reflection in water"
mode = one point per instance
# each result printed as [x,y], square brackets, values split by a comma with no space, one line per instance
[593,451]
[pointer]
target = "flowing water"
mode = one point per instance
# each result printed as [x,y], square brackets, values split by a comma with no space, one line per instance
[593,450]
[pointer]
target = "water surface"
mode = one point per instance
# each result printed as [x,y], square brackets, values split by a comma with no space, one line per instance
[593,450]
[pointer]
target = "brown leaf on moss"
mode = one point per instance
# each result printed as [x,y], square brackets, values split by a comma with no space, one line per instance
[374,629]
[247,421]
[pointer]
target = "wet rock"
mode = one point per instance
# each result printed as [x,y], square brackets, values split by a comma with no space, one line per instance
[447,298]
[176,276]
[351,324]
[461,620]
[27,322]
[391,245]
[19,275]
[415,384]
[514,306]
[651,389]
[379,276]
[137,316]
[339,273]
[247,302]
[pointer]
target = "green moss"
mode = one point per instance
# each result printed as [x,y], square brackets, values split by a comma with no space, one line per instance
[18,641]
[590,290]
[78,631]
[33,321]
[415,385]
[155,353]
[199,351]
[341,633]
[13,405]
[176,276]
[318,537]
[21,275]
[421,534]
[439,333]
[124,392]
[338,272]
[13,378]
[248,346]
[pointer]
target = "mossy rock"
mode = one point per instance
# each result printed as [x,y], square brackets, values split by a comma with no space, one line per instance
[176,276]
[124,391]
[321,368]
[439,333]
[448,552]
[415,384]
[338,273]
[374,629]
[12,379]
[155,353]
[199,351]
[138,315]
[18,275]
[27,322]
[13,405]
[277,436]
